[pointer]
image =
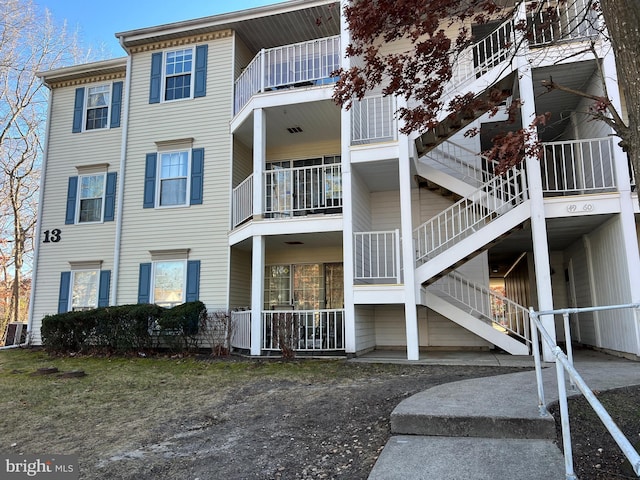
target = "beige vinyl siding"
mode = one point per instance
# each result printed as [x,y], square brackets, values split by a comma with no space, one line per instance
[361,204]
[242,162]
[304,150]
[385,210]
[390,326]
[66,151]
[365,327]
[243,56]
[200,228]
[299,254]
[610,272]
[442,332]
[240,279]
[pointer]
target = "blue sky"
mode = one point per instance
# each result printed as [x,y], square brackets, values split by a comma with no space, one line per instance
[97,23]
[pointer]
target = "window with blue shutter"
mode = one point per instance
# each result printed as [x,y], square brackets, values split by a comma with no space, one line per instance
[155,87]
[193,281]
[65,292]
[144,283]
[197,178]
[104,287]
[72,192]
[116,104]
[78,110]
[110,197]
[174,72]
[149,194]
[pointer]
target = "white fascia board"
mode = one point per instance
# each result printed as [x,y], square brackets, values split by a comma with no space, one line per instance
[328,223]
[579,205]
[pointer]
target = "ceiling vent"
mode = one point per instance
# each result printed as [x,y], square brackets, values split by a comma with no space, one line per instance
[294,130]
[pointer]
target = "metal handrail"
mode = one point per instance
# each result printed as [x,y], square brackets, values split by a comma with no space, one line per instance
[565,362]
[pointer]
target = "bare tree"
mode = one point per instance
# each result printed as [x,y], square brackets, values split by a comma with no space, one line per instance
[30,42]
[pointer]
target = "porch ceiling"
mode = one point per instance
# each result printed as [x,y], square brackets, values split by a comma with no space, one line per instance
[319,122]
[293,242]
[561,233]
[379,176]
[559,104]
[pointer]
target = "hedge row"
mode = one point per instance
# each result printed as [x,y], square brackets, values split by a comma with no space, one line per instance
[125,328]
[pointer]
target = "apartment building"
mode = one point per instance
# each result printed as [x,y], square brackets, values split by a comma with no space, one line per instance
[211,164]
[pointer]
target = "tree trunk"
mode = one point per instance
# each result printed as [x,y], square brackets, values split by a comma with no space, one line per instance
[622,18]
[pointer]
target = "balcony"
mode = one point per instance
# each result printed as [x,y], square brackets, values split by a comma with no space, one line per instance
[302,64]
[292,192]
[377,257]
[373,120]
[310,330]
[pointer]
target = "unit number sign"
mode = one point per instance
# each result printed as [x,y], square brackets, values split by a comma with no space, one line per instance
[52,236]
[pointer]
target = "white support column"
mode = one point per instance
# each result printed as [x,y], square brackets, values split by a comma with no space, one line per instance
[347,206]
[534,179]
[623,181]
[259,160]
[408,254]
[257,293]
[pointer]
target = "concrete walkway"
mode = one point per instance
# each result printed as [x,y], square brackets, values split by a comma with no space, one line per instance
[488,428]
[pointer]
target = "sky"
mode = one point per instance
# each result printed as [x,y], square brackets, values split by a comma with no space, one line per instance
[97,23]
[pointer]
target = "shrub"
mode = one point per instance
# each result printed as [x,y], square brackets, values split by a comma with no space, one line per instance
[217,329]
[178,326]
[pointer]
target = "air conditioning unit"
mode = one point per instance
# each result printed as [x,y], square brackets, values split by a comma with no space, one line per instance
[16,334]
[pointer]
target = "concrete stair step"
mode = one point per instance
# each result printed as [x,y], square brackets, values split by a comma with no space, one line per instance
[465,458]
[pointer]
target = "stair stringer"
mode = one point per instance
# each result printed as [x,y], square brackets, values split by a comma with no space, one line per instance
[473,324]
[445,180]
[473,243]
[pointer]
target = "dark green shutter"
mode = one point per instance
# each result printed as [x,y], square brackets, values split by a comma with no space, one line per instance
[110,197]
[144,283]
[78,111]
[116,104]
[155,87]
[193,281]
[197,169]
[65,292]
[200,88]
[149,200]
[72,192]
[104,288]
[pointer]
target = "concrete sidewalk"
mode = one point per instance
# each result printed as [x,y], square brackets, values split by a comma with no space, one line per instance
[488,428]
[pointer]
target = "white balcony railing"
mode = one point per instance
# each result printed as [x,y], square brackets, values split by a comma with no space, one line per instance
[377,257]
[302,190]
[498,196]
[465,164]
[242,201]
[492,307]
[551,21]
[307,330]
[373,120]
[578,166]
[241,330]
[297,65]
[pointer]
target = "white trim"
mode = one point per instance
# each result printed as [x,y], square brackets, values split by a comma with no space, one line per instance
[85,107]
[72,283]
[152,281]
[159,179]
[79,199]
[163,92]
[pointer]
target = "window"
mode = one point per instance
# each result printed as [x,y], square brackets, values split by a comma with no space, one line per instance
[98,107]
[84,291]
[85,287]
[91,198]
[173,175]
[168,282]
[305,286]
[98,100]
[178,74]
[177,71]
[174,178]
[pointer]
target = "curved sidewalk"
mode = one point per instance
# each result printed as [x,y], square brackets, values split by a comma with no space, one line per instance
[489,428]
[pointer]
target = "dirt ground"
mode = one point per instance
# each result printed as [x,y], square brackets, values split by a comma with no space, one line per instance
[596,456]
[281,429]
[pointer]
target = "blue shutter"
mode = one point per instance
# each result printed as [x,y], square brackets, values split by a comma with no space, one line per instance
[200,89]
[78,111]
[144,283]
[149,200]
[155,88]
[110,197]
[197,168]
[104,288]
[65,292]
[72,192]
[193,280]
[116,104]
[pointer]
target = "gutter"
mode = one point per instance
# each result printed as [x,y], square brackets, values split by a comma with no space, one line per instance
[113,300]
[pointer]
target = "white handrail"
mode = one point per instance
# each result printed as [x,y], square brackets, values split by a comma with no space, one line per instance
[241,329]
[312,330]
[565,363]
[377,256]
[496,197]
[550,21]
[466,162]
[242,201]
[373,120]
[493,307]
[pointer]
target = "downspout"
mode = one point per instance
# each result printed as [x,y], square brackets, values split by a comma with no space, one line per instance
[123,155]
[36,238]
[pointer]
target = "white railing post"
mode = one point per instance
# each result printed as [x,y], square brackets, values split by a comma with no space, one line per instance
[564,420]
[262,71]
[398,255]
[535,344]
